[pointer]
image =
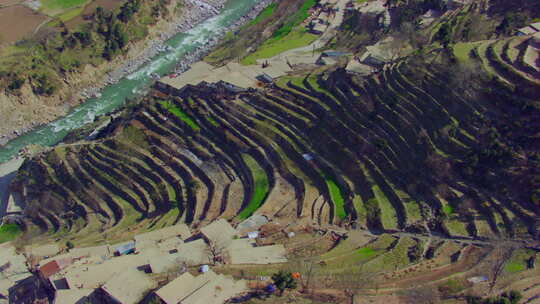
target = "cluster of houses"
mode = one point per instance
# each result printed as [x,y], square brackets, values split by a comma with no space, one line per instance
[129,272]
[320,16]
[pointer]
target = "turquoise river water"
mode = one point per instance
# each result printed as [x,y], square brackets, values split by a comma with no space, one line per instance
[114,96]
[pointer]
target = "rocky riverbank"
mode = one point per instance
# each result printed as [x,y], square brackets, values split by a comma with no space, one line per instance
[195,11]
[204,50]
[33,112]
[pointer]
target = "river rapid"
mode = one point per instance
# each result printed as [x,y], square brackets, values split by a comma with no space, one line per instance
[184,49]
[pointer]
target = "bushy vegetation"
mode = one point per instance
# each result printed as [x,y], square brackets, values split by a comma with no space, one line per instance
[409,11]
[9,232]
[181,114]
[284,280]
[43,61]
[283,19]
[264,15]
[294,20]
[336,195]
[261,187]
[511,297]
[272,47]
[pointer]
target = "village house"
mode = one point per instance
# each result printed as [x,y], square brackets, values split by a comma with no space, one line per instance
[219,233]
[102,251]
[72,296]
[180,231]
[265,78]
[42,252]
[128,287]
[373,60]
[530,29]
[13,269]
[124,248]
[330,57]
[245,251]
[54,266]
[193,253]
[204,288]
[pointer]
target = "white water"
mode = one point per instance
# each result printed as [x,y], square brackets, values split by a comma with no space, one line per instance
[114,96]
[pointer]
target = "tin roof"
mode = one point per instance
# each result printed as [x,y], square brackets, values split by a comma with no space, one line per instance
[126,247]
[49,269]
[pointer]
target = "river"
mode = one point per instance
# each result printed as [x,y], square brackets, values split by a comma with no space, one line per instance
[114,96]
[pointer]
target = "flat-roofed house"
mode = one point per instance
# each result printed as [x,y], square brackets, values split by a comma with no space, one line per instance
[218,290]
[51,268]
[72,296]
[128,287]
[219,232]
[244,251]
[181,230]
[207,288]
[536,26]
[179,288]
[100,251]
[525,31]
[124,248]
[192,253]
[265,78]
[530,29]
[94,272]
[372,60]
[161,264]
[42,252]
[13,268]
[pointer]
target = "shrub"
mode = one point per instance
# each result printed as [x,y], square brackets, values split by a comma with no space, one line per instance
[284,280]
[512,297]
[15,84]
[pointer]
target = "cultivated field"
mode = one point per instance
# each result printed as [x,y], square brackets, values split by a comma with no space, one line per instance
[409,181]
[18,22]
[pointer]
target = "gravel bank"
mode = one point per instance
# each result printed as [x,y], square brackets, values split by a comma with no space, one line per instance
[194,12]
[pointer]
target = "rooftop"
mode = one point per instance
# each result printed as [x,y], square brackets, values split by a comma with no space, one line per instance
[13,266]
[528,30]
[51,268]
[95,271]
[252,223]
[205,288]
[162,263]
[124,247]
[536,26]
[258,255]
[129,286]
[219,231]
[177,289]
[193,253]
[48,250]
[233,73]
[180,230]
[90,251]
[71,296]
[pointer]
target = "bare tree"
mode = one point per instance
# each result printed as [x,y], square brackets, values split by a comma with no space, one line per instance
[215,251]
[501,254]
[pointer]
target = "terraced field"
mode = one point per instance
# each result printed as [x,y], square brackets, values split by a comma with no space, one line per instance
[407,149]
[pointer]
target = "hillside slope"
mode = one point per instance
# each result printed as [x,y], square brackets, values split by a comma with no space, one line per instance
[414,145]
